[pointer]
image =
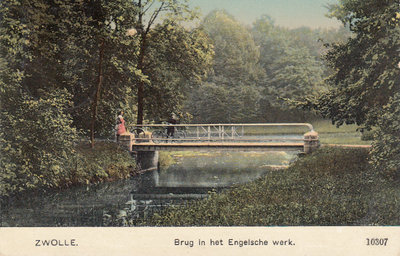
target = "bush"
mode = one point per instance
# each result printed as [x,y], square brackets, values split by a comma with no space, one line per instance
[36,141]
[385,154]
[367,135]
[107,161]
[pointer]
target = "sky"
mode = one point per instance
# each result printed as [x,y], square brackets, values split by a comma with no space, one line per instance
[285,13]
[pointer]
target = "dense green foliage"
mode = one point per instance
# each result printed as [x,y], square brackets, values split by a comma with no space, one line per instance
[330,187]
[106,162]
[178,59]
[229,94]
[86,165]
[291,70]
[386,147]
[366,75]
[256,69]
[366,66]
[169,57]
[50,83]
[36,144]
[67,67]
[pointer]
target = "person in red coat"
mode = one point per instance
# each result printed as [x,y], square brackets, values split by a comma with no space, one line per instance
[120,127]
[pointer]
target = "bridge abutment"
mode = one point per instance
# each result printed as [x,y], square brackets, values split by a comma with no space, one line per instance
[127,140]
[147,160]
[311,142]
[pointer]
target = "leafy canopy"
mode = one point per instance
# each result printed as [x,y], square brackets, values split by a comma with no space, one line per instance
[366,67]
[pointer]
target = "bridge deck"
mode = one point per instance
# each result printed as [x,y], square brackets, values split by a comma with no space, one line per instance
[207,146]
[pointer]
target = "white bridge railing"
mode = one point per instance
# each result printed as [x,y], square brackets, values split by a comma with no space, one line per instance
[261,132]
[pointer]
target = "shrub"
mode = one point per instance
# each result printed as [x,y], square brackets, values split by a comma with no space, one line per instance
[367,135]
[36,141]
[385,154]
[105,162]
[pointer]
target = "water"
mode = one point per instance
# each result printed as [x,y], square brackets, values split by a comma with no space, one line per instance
[181,174]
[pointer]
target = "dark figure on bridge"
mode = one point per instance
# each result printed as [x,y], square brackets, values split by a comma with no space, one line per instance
[171,128]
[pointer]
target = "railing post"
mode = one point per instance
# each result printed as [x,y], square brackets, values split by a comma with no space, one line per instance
[311,142]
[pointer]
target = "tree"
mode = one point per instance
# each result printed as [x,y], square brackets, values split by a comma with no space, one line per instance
[316,39]
[178,59]
[97,59]
[290,69]
[366,78]
[385,153]
[50,78]
[366,72]
[37,142]
[81,46]
[149,11]
[236,54]
[230,93]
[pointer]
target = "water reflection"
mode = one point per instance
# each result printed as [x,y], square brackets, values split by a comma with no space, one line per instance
[181,177]
[218,169]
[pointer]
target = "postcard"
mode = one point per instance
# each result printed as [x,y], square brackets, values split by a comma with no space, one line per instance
[192,127]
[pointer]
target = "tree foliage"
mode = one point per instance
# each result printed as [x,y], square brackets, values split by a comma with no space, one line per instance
[230,93]
[366,78]
[366,72]
[178,59]
[149,14]
[255,69]
[37,141]
[385,154]
[59,65]
[70,65]
[292,67]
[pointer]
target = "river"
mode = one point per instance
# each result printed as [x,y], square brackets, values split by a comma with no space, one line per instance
[182,176]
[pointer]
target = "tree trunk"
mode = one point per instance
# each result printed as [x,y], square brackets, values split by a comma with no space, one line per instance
[97,95]
[140,103]
[140,88]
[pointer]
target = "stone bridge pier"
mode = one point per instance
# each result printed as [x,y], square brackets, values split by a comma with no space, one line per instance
[146,160]
[311,142]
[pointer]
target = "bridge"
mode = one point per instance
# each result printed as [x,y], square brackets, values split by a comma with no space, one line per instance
[233,137]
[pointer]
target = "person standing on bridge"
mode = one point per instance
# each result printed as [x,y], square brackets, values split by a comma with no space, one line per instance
[120,126]
[171,128]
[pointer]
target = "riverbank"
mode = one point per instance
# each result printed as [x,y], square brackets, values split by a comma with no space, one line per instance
[107,161]
[333,186]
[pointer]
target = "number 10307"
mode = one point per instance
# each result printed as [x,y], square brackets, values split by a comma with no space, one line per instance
[377,241]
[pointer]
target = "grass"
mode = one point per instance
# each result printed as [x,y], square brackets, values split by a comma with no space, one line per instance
[328,133]
[332,186]
[345,134]
[342,139]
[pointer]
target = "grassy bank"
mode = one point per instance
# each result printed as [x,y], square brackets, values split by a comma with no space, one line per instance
[328,133]
[345,134]
[333,186]
[107,161]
